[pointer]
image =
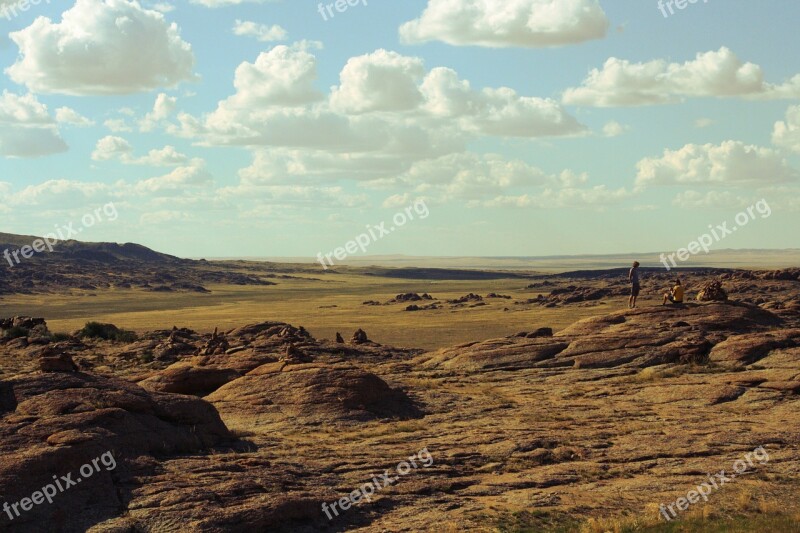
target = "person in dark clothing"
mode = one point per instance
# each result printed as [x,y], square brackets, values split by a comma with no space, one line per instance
[633,277]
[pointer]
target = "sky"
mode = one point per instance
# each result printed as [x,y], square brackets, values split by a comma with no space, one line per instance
[235,128]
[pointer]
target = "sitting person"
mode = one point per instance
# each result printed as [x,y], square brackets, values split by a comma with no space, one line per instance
[675,295]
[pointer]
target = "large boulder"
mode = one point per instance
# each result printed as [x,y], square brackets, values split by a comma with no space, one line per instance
[512,353]
[57,363]
[53,424]
[25,322]
[637,338]
[746,349]
[312,393]
[189,378]
[712,292]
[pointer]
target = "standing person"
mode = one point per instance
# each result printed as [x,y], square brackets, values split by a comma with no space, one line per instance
[633,277]
[675,295]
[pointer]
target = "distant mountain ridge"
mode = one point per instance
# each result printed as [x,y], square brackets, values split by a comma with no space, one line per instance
[104,252]
[76,265]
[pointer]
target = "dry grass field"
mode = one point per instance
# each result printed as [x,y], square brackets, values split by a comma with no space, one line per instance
[323,308]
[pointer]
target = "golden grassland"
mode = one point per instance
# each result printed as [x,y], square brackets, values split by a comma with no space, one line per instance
[321,306]
[736,509]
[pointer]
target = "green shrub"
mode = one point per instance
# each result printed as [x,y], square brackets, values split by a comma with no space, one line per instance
[109,332]
[15,333]
[59,337]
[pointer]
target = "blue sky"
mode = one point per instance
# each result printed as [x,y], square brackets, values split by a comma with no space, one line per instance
[528,127]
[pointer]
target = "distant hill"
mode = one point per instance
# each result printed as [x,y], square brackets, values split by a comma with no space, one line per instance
[8,240]
[107,265]
[104,252]
[111,252]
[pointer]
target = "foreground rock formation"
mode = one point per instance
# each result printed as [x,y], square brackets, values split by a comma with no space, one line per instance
[613,415]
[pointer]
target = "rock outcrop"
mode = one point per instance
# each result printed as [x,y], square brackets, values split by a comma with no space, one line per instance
[54,423]
[312,393]
[712,292]
[190,377]
[57,363]
[640,338]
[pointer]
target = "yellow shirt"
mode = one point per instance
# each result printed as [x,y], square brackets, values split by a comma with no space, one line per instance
[677,293]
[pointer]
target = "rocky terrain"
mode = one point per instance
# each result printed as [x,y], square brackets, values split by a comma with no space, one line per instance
[97,266]
[254,428]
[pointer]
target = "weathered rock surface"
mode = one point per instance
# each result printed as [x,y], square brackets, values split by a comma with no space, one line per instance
[746,349]
[612,415]
[639,338]
[410,297]
[712,292]
[52,424]
[189,378]
[57,363]
[312,393]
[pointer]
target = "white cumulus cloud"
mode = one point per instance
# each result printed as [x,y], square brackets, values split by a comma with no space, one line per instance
[522,23]
[729,163]
[113,148]
[162,109]
[786,134]
[381,81]
[613,128]
[26,127]
[101,47]
[262,32]
[711,74]
[67,115]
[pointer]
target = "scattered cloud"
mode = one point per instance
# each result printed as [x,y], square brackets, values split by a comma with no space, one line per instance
[163,107]
[388,120]
[117,125]
[614,129]
[381,81]
[192,175]
[112,148]
[597,197]
[384,103]
[520,23]
[59,193]
[101,47]
[731,163]
[786,134]
[67,115]
[711,74]
[261,32]
[711,200]
[26,128]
